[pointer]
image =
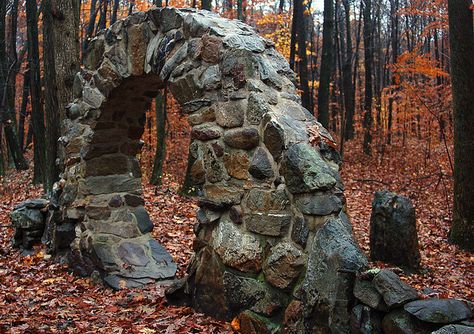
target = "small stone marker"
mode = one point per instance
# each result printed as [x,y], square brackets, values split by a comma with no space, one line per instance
[393,236]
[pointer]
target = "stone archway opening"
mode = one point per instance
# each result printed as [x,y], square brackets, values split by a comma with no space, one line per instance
[271,228]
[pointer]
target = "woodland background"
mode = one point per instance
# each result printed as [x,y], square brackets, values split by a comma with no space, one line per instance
[379,81]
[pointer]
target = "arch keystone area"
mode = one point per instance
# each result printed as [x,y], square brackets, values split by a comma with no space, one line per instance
[271,234]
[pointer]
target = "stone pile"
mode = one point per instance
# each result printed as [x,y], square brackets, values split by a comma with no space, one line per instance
[28,220]
[388,305]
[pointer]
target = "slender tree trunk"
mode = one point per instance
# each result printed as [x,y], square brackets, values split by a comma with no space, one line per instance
[461,38]
[326,63]
[114,11]
[302,58]
[24,104]
[368,61]
[241,10]
[394,41]
[160,154]
[281,6]
[37,114]
[293,38]
[347,76]
[7,85]
[66,35]
[50,97]
[102,24]
[90,27]
[206,4]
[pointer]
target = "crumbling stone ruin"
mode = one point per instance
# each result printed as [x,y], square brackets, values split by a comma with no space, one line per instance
[273,245]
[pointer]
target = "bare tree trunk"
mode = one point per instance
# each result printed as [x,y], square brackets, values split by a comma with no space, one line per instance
[347,84]
[326,63]
[24,104]
[394,41]
[50,97]
[206,4]
[114,11]
[90,27]
[368,61]
[160,154]
[461,38]
[102,24]
[240,10]
[8,70]
[302,58]
[37,114]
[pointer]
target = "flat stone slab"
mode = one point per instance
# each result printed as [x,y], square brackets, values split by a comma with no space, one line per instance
[439,311]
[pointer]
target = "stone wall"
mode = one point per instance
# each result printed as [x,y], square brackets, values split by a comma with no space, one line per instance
[273,242]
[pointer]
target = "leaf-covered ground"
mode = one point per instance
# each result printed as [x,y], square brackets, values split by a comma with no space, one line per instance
[40,296]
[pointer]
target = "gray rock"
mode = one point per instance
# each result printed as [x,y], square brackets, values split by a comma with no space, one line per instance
[213,166]
[239,250]
[202,116]
[305,171]
[174,61]
[395,293]
[230,114]
[274,139]
[393,236]
[257,107]
[283,265]
[332,257]
[211,78]
[438,311]
[366,292]
[132,254]
[364,320]
[251,43]
[454,329]
[300,231]
[243,138]
[160,254]
[261,166]
[399,321]
[144,222]
[206,132]
[319,204]
[271,224]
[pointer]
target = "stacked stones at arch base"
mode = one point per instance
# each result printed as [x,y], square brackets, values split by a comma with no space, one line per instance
[385,304]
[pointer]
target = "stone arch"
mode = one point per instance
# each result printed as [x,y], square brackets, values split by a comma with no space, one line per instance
[271,226]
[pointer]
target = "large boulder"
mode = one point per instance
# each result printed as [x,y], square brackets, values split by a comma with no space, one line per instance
[393,236]
[326,291]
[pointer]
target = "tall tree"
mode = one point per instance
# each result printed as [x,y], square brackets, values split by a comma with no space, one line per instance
[299,33]
[8,71]
[241,10]
[160,154]
[368,62]
[37,114]
[24,104]
[461,38]
[326,63]
[206,4]
[51,103]
[347,83]
[90,26]
[394,40]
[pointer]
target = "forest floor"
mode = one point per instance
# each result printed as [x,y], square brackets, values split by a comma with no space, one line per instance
[40,296]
